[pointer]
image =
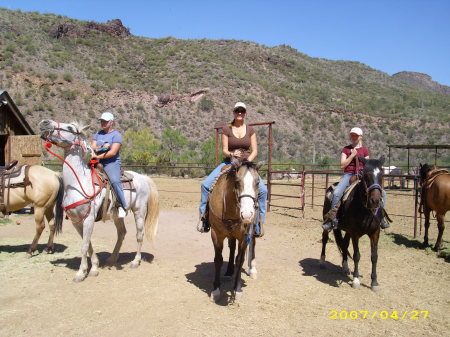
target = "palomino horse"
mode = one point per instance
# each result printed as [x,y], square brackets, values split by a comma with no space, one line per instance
[360,214]
[435,197]
[45,192]
[232,213]
[83,199]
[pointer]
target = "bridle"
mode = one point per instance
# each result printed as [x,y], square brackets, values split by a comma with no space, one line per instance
[367,191]
[79,141]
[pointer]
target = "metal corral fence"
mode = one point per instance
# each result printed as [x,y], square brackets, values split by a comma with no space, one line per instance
[298,180]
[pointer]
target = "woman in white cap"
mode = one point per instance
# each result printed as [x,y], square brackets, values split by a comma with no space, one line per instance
[237,140]
[106,146]
[351,167]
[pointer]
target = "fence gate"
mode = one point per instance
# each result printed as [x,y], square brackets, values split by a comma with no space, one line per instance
[25,149]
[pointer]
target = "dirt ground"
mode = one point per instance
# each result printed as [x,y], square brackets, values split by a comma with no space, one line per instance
[168,295]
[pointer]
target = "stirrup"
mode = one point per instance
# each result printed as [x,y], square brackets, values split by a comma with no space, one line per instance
[384,224]
[329,225]
[203,225]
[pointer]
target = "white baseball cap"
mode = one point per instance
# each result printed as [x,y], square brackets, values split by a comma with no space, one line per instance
[357,131]
[240,105]
[107,116]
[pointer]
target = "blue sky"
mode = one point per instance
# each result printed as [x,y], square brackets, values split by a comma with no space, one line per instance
[390,36]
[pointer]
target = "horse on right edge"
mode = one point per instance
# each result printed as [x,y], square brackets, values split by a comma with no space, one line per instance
[435,196]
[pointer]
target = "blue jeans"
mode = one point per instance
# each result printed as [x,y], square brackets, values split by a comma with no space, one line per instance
[113,172]
[207,183]
[343,184]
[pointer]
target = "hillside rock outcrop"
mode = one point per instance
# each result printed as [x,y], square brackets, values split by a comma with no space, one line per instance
[423,81]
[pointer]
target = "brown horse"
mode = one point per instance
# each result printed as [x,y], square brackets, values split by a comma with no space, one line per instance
[45,192]
[232,213]
[435,197]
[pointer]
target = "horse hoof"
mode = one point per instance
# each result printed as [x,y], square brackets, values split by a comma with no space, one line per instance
[78,278]
[253,274]
[375,288]
[110,262]
[356,284]
[215,295]
[134,264]
[238,296]
[49,250]
[93,273]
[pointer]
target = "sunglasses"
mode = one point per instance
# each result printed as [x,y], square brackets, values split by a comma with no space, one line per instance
[240,111]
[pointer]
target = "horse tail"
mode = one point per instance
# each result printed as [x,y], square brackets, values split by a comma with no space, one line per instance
[151,218]
[59,211]
[339,239]
[340,242]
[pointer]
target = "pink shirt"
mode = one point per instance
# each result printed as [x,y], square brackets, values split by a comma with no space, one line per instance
[362,152]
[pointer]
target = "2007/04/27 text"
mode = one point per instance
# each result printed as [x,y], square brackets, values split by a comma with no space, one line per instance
[383,314]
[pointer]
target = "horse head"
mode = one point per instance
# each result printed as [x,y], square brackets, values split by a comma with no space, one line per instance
[371,179]
[64,135]
[246,188]
[423,171]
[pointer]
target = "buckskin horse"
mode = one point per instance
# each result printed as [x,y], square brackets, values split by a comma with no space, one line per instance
[83,198]
[233,213]
[41,187]
[435,196]
[359,214]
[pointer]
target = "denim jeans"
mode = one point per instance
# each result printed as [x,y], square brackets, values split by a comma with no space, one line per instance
[343,184]
[113,172]
[207,183]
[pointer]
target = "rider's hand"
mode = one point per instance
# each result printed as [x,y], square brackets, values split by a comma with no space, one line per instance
[237,153]
[353,153]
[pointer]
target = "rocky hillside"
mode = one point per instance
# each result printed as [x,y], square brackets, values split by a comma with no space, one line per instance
[57,67]
[423,81]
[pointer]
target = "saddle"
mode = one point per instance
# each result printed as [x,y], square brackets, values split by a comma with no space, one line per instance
[12,176]
[110,197]
[432,175]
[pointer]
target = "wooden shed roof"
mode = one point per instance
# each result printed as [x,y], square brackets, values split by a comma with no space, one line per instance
[8,106]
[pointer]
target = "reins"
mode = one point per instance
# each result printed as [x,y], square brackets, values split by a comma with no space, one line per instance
[94,174]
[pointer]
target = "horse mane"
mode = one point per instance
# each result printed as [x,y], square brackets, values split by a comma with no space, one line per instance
[424,169]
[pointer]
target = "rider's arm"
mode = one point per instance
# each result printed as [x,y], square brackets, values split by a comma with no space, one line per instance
[225,151]
[345,161]
[254,146]
[115,147]
[94,145]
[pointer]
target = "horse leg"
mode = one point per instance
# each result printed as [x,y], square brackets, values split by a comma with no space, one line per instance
[324,245]
[441,226]
[50,216]
[345,244]
[85,230]
[356,257]
[139,238]
[40,225]
[253,271]
[426,214]
[121,231]
[239,263]
[218,261]
[230,268]
[374,258]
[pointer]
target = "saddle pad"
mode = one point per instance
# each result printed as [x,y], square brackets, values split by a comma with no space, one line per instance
[15,176]
[349,189]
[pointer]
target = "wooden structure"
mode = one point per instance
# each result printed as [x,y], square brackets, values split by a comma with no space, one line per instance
[17,139]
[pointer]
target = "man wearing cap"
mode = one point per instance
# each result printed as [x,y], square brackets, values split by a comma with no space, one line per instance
[351,166]
[106,146]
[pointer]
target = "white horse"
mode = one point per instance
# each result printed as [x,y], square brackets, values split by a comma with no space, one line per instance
[82,199]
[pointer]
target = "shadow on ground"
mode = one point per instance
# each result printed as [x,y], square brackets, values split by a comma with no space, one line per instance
[124,260]
[203,278]
[59,248]
[331,274]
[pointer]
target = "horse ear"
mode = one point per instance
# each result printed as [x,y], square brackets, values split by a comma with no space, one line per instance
[362,160]
[84,128]
[382,159]
[259,165]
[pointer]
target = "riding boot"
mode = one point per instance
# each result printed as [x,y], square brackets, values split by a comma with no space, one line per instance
[203,225]
[261,230]
[331,221]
